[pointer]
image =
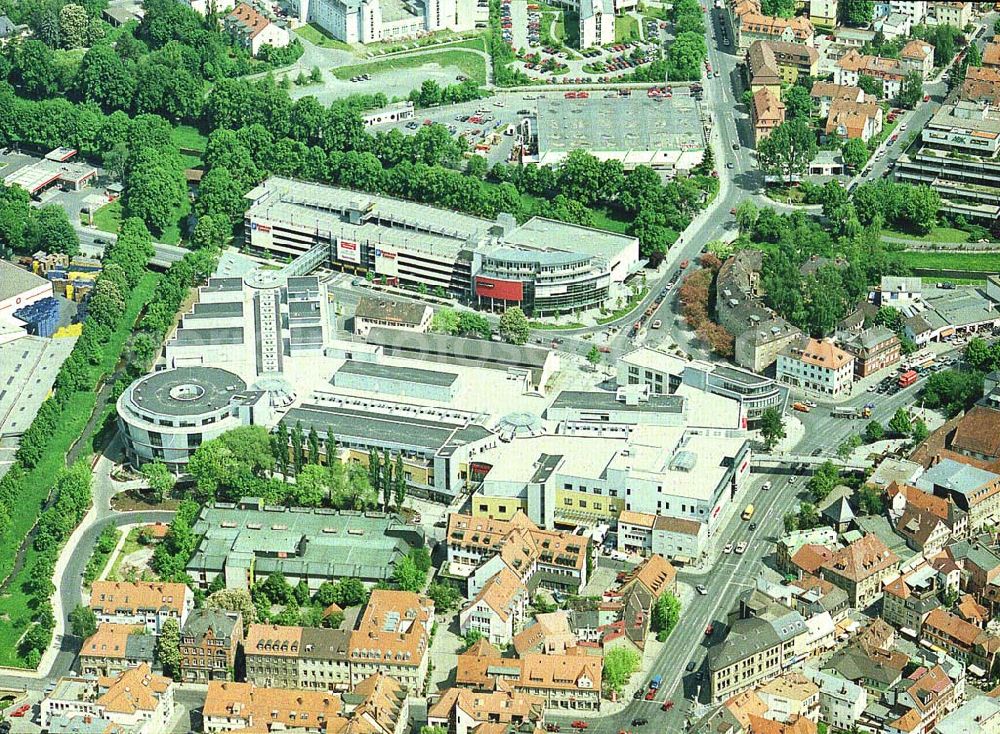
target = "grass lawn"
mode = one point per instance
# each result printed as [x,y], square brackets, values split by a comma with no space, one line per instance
[604,220]
[985,262]
[956,281]
[131,545]
[15,614]
[316,35]
[786,194]
[109,218]
[627,308]
[626,29]
[470,64]
[186,137]
[948,235]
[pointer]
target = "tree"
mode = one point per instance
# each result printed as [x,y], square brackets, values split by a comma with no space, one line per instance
[788,149]
[233,600]
[900,423]
[312,485]
[920,207]
[161,479]
[350,592]
[34,69]
[168,650]
[445,321]
[746,216]
[619,665]
[772,427]
[594,356]
[870,501]
[857,12]
[514,326]
[870,85]
[399,483]
[445,597]
[952,391]
[920,431]
[980,355]
[874,432]
[798,103]
[822,482]
[83,621]
[912,90]
[276,589]
[471,638]
[855,153]
[74,26]
[51,230]
[666,613]
[407,576]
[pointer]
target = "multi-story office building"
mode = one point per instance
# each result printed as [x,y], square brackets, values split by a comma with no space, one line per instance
[543,266]
[597,23]
[959,157]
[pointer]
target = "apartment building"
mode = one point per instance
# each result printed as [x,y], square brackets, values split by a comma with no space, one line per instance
[570,682]
[372,312]
[816,365]
[957,13]
[671,537]
[135,699]
[853,65]
[461,710]
[253,30]
[499,610]
[962,640]
[841,702]
[114,648]
[874,349]
[850,120]
[597,23]
[919,56]
[975,491]
[751,25]
[760,644]
[824,12]
[148,603]
[860,568]
[909,598]
[272,652]
[767,111]
[370,21]
[209,642]
[484,545]
[392,636]
[915,10]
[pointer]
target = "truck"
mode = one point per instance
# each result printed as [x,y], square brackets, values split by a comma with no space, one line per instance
[907,378]
[848,412]
[654,685]
[801,407]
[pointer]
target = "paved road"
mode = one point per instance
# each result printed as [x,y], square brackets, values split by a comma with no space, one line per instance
[92,244]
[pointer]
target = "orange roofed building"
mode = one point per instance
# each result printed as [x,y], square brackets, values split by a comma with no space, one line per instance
[816,365]
[253,30]
[135,698]
[860,568]
[461,711]
[571,681]
[149,603]
[767,111]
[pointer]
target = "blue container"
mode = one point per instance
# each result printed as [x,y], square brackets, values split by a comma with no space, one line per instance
[41,317]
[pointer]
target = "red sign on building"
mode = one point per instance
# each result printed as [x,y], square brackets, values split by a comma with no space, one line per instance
[503,290]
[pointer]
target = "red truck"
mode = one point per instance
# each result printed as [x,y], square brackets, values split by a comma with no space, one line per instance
[907,378]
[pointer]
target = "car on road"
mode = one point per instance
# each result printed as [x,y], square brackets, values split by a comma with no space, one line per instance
[700,588]
[741,547]
[552,727]
[791,480]
[100,241]
[657,324]
[729,165]
[639,722]
[579,724]
[766,486]
[21,710]
[637,695]
[728,549]
[752,526]
[650,694]
[667,705]
[709,630]
[690,666]
[736,146]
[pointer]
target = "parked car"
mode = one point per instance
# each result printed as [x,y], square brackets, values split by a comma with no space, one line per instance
[690,666]
[579,724]
[709,630]
[741,548]
[700,588]
[728,549]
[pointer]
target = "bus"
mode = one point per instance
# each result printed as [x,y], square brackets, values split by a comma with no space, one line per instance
[907,378]
[748,512]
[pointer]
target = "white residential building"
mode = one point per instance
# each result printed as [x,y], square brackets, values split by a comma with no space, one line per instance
[368,21]
[841,702]
[671,537]
[952,12]
[823,11]
[597,23]
[136,699]
[816,365]
[498,611]
[915,9]
[149,603]
[253,30]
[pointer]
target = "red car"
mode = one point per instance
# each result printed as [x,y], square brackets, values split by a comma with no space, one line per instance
[710,629]
[22,710]
[667,705]
[579,724]
[927,98]
[650,694]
